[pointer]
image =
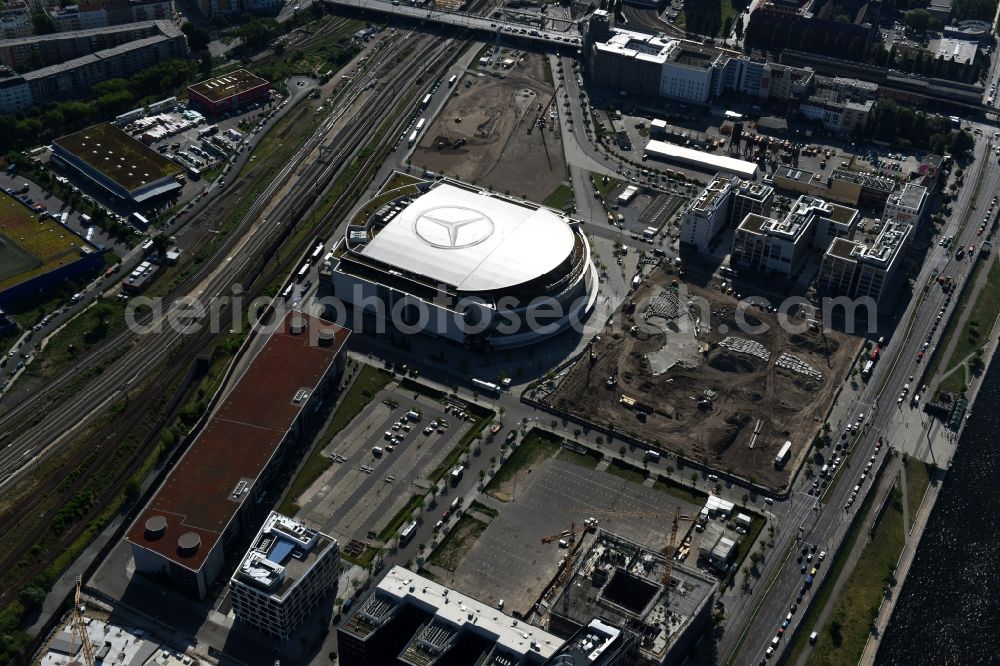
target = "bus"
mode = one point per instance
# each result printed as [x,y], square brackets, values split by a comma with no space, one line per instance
[303,271]
[413,138]
[426,102]
[451,81]
[287,292]
[420,124]
[317,251]
[783,454]
[485,386]
[407,532]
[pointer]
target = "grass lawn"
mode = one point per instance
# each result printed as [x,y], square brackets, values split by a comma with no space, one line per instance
[80,335]
[843,640]
[917,480]
[667,485]
[460,539]
[536,448]
[588,459]
[821,596]
[559,199]
[483,509]
[401,517]
[708,17]
[367,384]
[984,312]
[597,180]
[626,471]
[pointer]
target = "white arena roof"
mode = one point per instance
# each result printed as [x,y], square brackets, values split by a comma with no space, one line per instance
[472,241]
[699,159]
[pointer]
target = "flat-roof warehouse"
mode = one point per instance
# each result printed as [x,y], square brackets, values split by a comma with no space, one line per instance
[185,530]
[117,162]
[699,160]
[228,91]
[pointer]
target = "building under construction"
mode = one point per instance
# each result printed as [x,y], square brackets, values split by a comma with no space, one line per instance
[622,583]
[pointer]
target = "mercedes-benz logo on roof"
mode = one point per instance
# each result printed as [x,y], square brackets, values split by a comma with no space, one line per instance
[453,227]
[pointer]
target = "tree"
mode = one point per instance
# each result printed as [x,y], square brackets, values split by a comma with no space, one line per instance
[160,244]
[197,38]
[42,24]
[918,19]
[739,27]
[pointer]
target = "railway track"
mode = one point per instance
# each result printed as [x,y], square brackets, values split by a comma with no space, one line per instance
[251,263]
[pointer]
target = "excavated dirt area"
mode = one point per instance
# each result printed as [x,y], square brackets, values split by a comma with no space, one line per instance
[709,410]
[488,133]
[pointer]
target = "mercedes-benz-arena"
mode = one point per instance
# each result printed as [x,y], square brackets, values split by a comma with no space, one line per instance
[454,261]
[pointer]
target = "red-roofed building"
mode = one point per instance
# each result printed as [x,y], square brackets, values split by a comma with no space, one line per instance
[187,530]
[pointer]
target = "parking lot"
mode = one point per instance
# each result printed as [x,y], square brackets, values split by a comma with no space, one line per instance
[509,560]
[381,460]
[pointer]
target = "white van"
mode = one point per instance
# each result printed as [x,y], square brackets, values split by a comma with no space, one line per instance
[824,470]
[377,451]
[813,637]
[653,455]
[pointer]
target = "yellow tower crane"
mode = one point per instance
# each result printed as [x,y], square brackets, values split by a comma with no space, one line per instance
[80,629]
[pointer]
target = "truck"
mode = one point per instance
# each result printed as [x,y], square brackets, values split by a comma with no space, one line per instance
[783,454]
[866,372]
[456,474]
[485,386]
[420,125]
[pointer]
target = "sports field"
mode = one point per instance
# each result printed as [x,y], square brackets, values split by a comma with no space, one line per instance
[29,246]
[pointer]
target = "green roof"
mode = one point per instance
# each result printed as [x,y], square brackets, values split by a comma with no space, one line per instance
[31,246]
[118,156]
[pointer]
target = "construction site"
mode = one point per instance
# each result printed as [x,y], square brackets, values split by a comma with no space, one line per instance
[499,128]
[663,604]
[693,371]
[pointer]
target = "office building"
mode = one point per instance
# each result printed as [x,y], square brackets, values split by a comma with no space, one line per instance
[287,570]
[408,619]
[14,91]
[708,214]
[908,205]
[191,526]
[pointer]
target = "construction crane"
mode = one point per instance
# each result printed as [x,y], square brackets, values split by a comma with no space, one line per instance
[570,534]
[81,631]
[670,550]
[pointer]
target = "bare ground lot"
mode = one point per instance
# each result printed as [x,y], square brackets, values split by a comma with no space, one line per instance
[744,389]
[504,146]
[508,559]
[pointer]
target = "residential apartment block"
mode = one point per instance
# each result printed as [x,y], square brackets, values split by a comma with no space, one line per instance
[287,570]
[858,270]
[782,246]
